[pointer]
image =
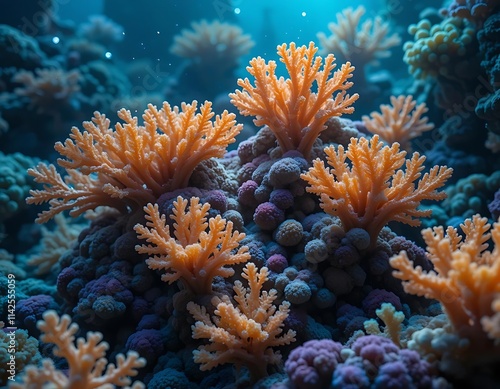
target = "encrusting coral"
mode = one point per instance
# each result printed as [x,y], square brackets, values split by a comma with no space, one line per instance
[244,334]
[375,189]
[465,279]
[191,254]
[290,107]
[87,366]
[400,122]
[133,165]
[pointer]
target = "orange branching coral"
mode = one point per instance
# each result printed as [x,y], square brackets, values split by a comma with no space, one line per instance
[134,164]
[400,122]
[87,365]
[465,280]
[375,190]
[356,42]
[244,334]
[193,255]
[290,108]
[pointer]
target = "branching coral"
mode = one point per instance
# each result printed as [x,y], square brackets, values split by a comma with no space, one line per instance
[100,29]
[392,320]
[375,190]
[48,89]
[400,122]
[54,244]
[133,164]
[358,43]
[87,365]
[244,334]
[192,255]
[210,42]
[465,280]
[294,113]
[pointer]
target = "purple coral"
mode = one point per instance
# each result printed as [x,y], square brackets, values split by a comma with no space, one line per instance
[282,198]
[311,365]
[376,298]
[268,216]
[377,362]
[494,206]
[350,377]
[103,299]
[246,193]
[30,310]
[148,343]
[277,263]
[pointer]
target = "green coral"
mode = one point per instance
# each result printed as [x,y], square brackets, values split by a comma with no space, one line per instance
[436,47]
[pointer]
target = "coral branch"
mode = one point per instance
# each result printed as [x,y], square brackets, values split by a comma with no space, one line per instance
[375,190]
[290,108]
[192,255]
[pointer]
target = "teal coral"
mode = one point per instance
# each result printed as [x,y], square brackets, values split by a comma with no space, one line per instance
[15,183]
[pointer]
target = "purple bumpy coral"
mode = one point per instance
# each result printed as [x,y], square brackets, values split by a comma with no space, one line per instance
[311,365]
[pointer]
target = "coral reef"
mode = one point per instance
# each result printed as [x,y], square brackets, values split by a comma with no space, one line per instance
[213,50]
[356,42]
[278,247]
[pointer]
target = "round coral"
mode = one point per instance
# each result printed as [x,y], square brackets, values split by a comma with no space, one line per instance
[289,233]
[338,281]
[311,365]
[298,292]
[316,251]
[246,193]
[376,298]
[268,216]
[345,256]
[358,238]
[283,198]
[277,263]
[284,172]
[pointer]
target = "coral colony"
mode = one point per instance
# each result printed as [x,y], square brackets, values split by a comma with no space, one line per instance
[329,220]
